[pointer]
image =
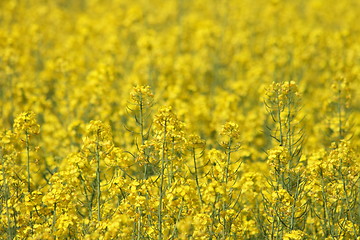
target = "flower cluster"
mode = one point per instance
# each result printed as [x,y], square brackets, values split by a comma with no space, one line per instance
[179,119]
[142,95]
[26,122]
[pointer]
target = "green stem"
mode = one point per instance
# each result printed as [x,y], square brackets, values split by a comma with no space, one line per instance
[289,137]
[98,190]
[177,219]
[293,207]
[327,214]
[141,106]
[339,112]
[139,225]
[279,119]
[197,178]
[228,161]
[28,160]
[347,202]
[141,123]
[6,197]
[161,188]
[54,219]
[28,172]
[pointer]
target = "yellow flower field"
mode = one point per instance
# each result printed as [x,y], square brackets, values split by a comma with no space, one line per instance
[179,119]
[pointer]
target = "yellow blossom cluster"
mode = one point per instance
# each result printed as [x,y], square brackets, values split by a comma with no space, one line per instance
[26,122]
[179,119]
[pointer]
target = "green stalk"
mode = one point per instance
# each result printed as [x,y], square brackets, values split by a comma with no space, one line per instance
[170,169]
[141,123]
[28,172]
[28,160]
[54,219]
[98,190]
[339,113]
[139,225]
[327,214]
[177,219]
[289,130]
[345,187]
[293,207]
[279,119]
[228,161]
[196,177]
[6,197]
[226,179]
[161,188]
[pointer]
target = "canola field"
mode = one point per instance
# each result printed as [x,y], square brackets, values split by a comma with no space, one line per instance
[180,119]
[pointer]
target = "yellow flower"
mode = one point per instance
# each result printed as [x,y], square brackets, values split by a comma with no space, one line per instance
[142,96]
[98,136]
[231,130]
[294,235]
[26,122]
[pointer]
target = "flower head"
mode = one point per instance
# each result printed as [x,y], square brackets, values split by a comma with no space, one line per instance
[26,122]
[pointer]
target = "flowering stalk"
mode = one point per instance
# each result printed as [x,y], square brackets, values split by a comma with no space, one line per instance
[161,187]
[338,110]
[28,160]
[196,176]
[97,145]
[98,190]
[231,132]
[194,142]
[283,104]
[167,128]
[26,123]
[142,100]
[6,196]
